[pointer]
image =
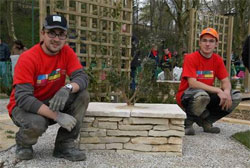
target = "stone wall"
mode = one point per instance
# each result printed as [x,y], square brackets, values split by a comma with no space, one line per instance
[143,128]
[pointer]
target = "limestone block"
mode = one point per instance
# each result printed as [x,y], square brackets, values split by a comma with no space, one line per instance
[114,146]
[135,127]
[157,111]
[88,119]
[98,133]
[176,127]
[86,124]
[167,148]
[126,133]
[112,119]
[107,110]
[107,125]
[89,129]
[161,127]
[175,140]
[84,134]
[149,140]
[138,147]
[114,139]
[92,146]
[167,133]
[177,121]
[147,121]
[90,140]
[125,151]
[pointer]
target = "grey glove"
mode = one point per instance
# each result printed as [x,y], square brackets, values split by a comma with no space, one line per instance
[59,100]
[66,121]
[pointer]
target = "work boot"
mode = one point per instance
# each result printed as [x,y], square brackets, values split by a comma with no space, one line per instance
[24,153]
[208,127]
[189,130]
[72,154]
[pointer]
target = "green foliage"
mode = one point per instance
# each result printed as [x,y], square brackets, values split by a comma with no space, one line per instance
[9,132]
[243,138]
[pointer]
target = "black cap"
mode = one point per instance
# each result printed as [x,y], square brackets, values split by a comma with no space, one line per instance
[55,21]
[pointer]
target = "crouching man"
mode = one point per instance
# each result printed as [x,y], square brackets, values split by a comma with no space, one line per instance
[40,96]
[201,100]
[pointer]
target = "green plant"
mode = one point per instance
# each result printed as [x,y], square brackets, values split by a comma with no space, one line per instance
[9,132]
[243,138]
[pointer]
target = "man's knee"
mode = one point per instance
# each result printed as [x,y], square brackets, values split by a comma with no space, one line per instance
[195,101]
[38,126]
[236,99]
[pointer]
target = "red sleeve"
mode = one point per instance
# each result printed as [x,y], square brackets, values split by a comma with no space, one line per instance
[221,71]
[24,70]
[73,62]
[189,67]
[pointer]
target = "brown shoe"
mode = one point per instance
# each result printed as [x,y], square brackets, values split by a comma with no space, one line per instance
[208,127]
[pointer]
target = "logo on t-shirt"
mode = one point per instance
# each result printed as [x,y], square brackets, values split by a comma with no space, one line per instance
[46,78]
[205,74]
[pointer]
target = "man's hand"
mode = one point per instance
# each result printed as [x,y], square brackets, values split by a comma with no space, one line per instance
[59,100]
[66,121]
[225,100]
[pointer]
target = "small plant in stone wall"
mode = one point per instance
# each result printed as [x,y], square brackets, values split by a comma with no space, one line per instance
[145,80]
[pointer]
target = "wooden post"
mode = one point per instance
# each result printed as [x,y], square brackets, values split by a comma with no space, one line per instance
[229,44]
[42,14]
[247,75]
[191,31]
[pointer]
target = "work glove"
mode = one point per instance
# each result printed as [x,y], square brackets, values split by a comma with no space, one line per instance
[59,100]
[66,121]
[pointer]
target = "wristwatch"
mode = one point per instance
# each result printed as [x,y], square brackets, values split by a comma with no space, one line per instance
[69,86]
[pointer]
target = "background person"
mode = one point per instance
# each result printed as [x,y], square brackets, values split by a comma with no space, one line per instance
[202,101]
[18,48]
[40,97]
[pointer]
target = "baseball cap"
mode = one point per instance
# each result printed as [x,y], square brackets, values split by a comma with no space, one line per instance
[55,21]
[210,31]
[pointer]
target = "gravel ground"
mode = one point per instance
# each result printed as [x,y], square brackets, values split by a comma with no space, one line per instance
[200,151]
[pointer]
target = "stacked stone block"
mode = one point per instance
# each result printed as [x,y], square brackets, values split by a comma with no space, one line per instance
[143,128]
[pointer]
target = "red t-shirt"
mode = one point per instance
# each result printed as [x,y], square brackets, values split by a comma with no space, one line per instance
[205,70]
[45,73]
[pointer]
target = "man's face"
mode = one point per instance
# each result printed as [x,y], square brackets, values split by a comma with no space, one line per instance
[207,44]
[53,40]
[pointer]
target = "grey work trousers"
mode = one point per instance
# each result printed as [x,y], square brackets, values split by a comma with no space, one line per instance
[213,110]
[32,125]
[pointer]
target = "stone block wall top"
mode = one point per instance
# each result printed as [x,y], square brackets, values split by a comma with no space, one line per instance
[139,110]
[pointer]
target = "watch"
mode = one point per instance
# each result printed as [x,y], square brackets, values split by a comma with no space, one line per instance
[69,86]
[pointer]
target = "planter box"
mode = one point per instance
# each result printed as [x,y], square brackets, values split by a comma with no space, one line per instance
[139,128]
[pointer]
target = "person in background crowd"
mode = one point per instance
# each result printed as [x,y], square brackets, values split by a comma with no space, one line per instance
[203,102]
[4,57]
[246,53]
[41,98]
[154,54]
[18,48]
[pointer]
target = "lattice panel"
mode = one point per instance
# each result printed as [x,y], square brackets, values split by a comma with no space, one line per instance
[92,28]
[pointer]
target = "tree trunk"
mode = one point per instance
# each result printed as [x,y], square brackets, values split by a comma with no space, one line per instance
[10,21]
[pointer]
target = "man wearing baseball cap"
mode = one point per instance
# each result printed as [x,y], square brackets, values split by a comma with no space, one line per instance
[40,96]
[203,102]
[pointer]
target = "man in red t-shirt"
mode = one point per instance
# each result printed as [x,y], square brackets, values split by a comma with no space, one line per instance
[40,97]
[201,100]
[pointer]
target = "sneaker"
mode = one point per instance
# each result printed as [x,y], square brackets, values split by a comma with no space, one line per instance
[72,154]
[24,153]
[208,127]
[189,131]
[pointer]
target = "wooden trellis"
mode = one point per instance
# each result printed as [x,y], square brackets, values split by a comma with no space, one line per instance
[222,24]
[93,25]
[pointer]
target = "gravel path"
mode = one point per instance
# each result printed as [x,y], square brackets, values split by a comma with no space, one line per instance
[200,151]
